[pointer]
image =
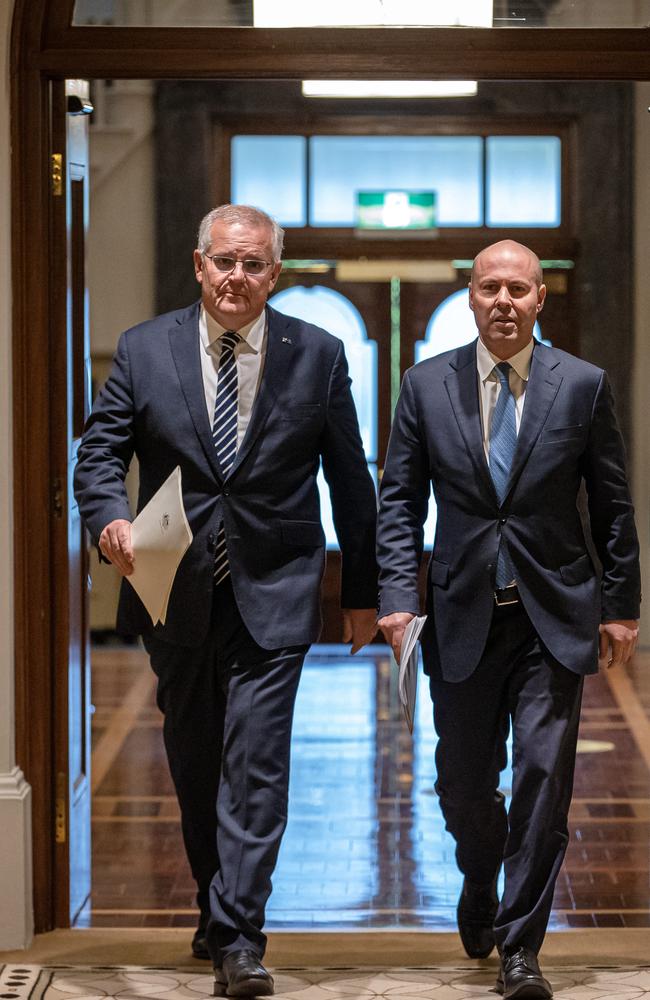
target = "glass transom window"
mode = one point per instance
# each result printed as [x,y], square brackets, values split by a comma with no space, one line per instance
[477,181]
[523,180]
[343,165]
[269,171]
[326,13]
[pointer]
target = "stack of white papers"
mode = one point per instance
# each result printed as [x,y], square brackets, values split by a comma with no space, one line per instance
[408,668]
[160,536]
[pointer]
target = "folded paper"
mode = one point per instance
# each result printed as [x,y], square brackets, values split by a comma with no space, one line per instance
[160,536]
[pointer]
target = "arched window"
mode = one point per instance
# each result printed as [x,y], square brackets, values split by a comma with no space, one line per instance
[335,313]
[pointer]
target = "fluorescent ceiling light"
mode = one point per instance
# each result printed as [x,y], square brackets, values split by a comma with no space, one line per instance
[389,88]
[345,13]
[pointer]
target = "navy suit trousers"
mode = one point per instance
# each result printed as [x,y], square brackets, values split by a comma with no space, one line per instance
[228,710]
[517,683]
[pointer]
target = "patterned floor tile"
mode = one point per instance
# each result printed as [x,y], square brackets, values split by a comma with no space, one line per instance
[436,982]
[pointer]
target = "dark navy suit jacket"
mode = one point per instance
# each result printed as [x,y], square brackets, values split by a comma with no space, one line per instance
[153,406]
[568,435]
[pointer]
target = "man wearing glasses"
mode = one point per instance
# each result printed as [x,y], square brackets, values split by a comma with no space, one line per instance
[248,402]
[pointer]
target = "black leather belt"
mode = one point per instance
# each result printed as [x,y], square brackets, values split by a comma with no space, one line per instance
[506,595]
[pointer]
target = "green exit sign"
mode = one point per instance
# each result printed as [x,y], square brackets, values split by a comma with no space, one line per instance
[396,210]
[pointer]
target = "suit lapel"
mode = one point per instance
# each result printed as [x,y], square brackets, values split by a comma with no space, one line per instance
[274,375]
[462,387]
[184,345]
[541,390]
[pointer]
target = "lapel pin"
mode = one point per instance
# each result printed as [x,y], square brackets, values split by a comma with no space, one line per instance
[287,340]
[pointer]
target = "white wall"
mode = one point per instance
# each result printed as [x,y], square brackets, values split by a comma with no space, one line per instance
[15,818]
[121,255]
[121,250]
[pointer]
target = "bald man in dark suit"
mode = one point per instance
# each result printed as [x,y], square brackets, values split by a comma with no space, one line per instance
[506,431]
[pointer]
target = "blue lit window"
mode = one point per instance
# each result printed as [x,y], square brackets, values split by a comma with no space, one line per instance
[336,314]
[343,165]
[523,186]
[518,177]
[268,171]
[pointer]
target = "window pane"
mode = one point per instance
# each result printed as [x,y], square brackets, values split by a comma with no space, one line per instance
[327,518]
[523,180]
[268,171]
[293,13]
[342,165]
[336,314]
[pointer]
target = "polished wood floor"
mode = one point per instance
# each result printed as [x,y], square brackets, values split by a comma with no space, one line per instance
[365,846]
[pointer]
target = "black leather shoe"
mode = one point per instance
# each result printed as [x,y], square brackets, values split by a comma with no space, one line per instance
[520,976]
[242,975]
[477,908]
[199,944]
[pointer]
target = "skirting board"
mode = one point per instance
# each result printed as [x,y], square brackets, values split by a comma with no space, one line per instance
[16,912]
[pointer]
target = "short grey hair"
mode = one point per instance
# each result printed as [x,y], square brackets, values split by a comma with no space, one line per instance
[245,215]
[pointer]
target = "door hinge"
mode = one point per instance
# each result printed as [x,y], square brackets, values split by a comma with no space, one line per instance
[57,496]
[61,832]
[57,174]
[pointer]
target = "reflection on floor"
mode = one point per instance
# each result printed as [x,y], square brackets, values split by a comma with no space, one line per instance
[365,846]
[433,982]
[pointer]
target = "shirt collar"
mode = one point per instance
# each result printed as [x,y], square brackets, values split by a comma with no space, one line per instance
[485,360]
[252,334]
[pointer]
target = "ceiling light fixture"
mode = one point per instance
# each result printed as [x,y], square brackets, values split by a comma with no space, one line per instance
[389,88]
[346,13]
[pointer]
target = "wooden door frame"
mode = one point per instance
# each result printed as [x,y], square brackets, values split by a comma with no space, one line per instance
[43,47]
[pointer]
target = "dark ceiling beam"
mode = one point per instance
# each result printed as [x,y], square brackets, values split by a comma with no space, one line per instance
[347,53]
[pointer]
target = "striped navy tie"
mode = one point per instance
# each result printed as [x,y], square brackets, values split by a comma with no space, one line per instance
[503,440]
[224,432]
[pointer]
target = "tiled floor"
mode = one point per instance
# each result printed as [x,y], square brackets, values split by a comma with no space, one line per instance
[435,982]
[365,846]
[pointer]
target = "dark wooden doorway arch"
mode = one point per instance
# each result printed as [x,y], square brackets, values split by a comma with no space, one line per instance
[46,48]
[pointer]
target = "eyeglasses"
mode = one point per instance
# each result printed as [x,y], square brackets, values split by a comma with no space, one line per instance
[226,264]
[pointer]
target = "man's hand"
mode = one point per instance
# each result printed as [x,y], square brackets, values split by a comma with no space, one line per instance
[393,627]
[618,641]
[359,626]
[115,543]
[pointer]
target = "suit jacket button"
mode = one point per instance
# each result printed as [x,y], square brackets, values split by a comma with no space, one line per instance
[502,520]
[211,542]
[226,493]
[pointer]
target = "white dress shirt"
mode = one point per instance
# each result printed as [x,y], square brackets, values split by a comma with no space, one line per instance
[490,387]
[250,354]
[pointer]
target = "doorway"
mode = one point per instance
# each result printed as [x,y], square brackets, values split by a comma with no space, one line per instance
[47,48]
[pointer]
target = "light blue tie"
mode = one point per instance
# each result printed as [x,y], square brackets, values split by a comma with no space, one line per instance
[503,440]
[224,432]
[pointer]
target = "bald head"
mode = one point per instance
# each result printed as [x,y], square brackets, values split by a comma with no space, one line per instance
[509,250]
[506,294]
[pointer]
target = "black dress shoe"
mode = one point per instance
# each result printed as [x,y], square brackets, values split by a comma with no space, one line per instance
[199,944]
[242,975]
[520,977]
[477,908]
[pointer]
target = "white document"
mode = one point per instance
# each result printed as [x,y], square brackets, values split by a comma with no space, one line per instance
[160,536]
[408,668]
